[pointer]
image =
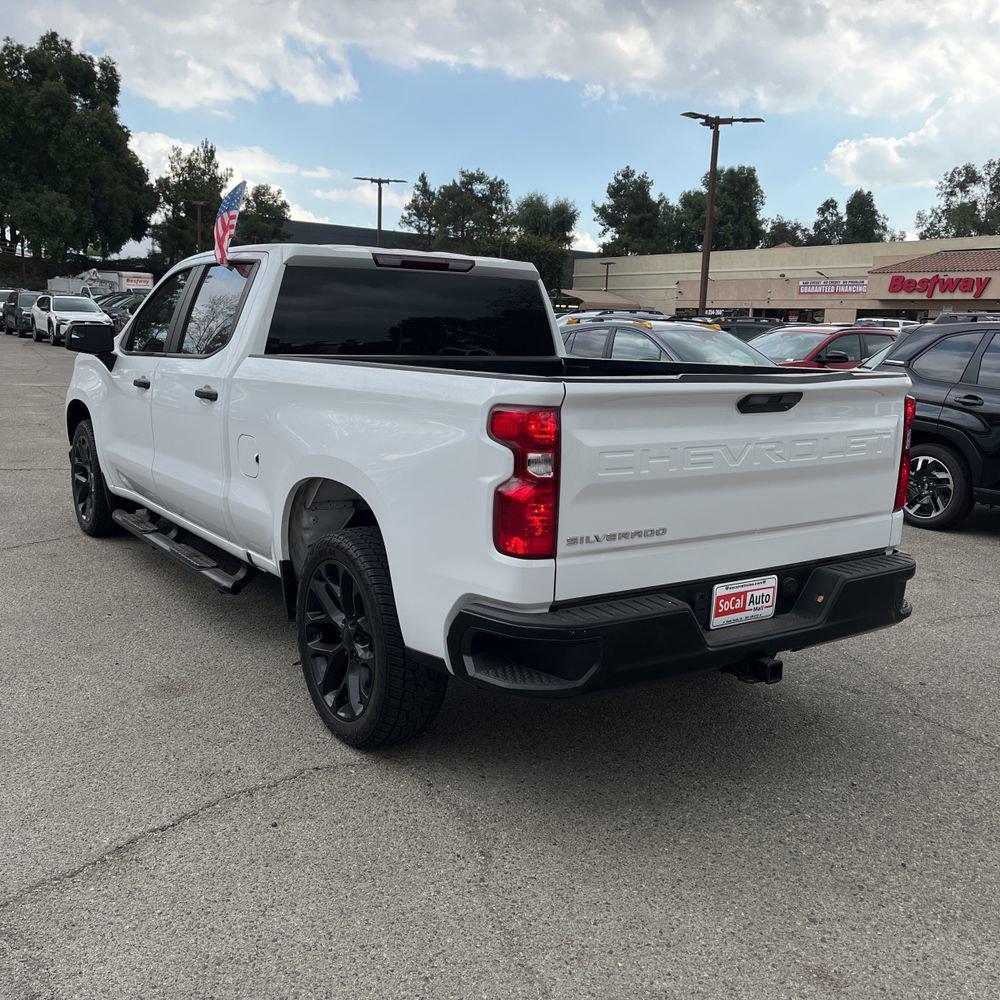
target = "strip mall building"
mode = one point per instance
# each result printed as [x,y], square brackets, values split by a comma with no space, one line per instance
[914,280]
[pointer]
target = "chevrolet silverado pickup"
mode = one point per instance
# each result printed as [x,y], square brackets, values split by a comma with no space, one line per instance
[402,439]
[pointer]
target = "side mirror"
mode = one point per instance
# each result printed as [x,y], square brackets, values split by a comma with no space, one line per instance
[90,338]
[833,356]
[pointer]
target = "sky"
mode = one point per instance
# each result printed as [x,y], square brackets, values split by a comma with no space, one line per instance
[553,97]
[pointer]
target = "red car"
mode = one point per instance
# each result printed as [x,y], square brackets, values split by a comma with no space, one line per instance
[819,346]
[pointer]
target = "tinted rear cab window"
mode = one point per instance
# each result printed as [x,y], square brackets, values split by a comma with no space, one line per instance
[388,311]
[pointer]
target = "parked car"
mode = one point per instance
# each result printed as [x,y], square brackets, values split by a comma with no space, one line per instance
[17,312]
[748,327]
[955,445]
[121,309]
[967,317]
[630,340]
[886,323]
[53,315]
[821,346]
[443,492]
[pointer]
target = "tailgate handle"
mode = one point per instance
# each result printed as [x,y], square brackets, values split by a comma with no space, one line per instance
[768,402]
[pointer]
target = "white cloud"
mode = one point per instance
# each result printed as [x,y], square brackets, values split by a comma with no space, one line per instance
[304,215]
[926,63]
[366,193]
[584,241]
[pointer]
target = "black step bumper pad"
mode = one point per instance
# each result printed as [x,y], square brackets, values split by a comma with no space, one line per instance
[578,646]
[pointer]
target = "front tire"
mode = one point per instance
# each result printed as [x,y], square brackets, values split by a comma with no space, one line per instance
[355,666]
[35,335]
[940,490]
[52,336]
[91,501]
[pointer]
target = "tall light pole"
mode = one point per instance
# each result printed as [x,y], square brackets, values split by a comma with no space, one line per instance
[607,265]
[713,122]
[380,181]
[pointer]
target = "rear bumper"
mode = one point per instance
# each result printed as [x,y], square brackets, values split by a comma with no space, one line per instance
[585,645]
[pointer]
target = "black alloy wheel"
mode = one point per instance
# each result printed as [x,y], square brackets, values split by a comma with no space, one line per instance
[82,463]
[366,688]
[339,641]
[939,494]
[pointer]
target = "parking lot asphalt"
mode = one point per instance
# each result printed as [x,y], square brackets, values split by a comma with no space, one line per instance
[175,821]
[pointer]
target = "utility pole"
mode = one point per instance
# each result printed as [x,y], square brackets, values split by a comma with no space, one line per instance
[607,265]
[713,122]
[380,181]
[199,205]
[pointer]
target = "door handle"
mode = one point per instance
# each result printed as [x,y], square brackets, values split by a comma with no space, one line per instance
[207,392]
[141,382]
[969,400]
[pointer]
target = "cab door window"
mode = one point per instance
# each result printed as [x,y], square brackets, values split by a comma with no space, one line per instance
[947,360]
[216,307]
[151,326]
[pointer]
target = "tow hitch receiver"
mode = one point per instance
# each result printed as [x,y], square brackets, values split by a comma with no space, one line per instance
[757,670]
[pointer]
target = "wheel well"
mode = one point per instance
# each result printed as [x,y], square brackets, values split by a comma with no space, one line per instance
[318,507]
[75,412]
[930,437]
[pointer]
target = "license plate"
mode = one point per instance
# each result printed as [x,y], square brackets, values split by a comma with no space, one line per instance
[743,601]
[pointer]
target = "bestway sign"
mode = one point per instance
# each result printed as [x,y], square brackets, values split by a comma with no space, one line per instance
[929,287]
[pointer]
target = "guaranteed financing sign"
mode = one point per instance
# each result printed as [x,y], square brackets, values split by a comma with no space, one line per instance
[835,286]
[974,285]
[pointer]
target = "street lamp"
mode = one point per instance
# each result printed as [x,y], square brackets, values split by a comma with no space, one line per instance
[380,181]
[713,122]
[607,265]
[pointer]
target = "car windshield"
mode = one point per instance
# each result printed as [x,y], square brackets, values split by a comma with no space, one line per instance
[701,346]
[27,298]
[78,304]
[789,345]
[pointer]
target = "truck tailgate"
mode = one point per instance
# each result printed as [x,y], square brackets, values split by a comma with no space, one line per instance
[665,481]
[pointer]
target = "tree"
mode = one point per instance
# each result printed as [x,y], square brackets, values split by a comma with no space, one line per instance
[263,216]
[69,180]
[969,203]
[828,228]
[630,216]
[419,212]
[190,178]
[544,234]
[555,220]
[737,225]
[473,214]
[781,230]
[739,199]
[863,223]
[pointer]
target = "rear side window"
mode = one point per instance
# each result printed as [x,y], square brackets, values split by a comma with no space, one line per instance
[216,306]
[849,344]
[590,342]
[151,326]
[875,342]
[361,310]
[989,367]
[630,345]
[947,359]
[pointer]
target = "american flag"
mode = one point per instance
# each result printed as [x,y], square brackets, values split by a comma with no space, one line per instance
[225,221]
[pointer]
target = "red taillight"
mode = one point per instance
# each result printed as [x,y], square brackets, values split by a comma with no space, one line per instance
[526,506]
[909,412]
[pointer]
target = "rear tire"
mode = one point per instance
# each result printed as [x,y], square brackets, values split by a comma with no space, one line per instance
[91,500]
[355,666]
[940,491]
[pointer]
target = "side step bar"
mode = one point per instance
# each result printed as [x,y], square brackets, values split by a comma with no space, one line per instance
[164,536]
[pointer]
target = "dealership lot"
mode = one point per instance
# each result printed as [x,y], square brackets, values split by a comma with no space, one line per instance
[176,821]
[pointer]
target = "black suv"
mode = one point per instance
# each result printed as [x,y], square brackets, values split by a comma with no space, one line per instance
[955,454]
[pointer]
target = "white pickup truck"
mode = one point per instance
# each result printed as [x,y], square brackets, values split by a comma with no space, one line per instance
[403,440]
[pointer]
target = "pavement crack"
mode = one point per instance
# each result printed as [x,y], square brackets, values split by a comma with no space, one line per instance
[37,541]
[69,874]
